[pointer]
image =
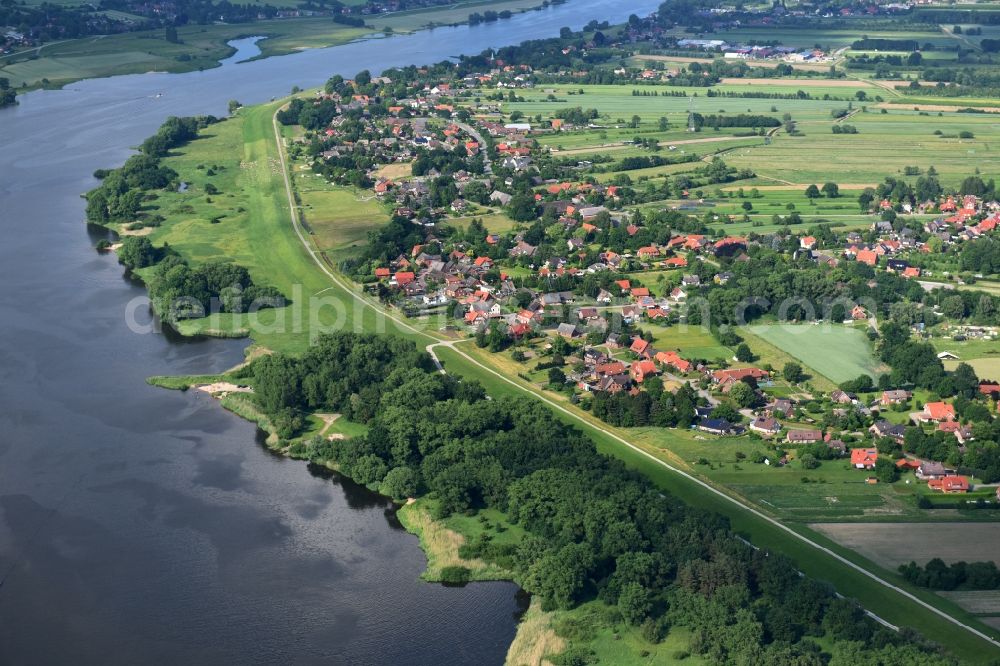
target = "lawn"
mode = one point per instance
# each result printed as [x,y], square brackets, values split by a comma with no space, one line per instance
[690,341]
[834,351]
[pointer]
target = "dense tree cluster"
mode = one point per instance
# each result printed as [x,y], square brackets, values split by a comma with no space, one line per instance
[958,576]
[595,530]
[8,96]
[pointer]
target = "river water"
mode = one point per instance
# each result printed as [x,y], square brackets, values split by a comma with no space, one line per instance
[143,526]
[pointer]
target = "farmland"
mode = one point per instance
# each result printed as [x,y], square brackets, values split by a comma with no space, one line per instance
[890,545]
[836,352]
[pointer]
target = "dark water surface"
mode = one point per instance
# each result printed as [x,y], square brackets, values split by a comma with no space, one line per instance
[143,526]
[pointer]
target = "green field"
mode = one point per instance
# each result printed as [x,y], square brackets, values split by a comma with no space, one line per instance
[813,155]
[836,352]
[200,47]
[254,230]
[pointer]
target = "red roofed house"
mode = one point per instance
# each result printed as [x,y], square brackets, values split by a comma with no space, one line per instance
[402,279]
[484,262]
[642,369]
[950,484]
[641,347]
[672,359]
[648,251]
[639,292]
[864,458]
[989,388]
[625,285]
[382,273]
[936,411]
[738,374]
[911,272]
[867,257]
[676,262]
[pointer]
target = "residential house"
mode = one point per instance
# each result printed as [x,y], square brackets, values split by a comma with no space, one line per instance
[887,429]
[765,426]
[932,470]
[803,436]
[781,407]
[952,484]
[641,347]
[566,330]
[894,397]
[717,427]
[936,411]
[640,370]
[864,458]
[672,359]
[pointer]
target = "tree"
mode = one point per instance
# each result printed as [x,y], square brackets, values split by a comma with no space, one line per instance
[137,252]
[812,192]
[743,394]
[831,190]
[170,34]
[792,372]
[886,471]
[634,603]
[556,377]
[743,353]
[400,483]
[234,106]
[808,461]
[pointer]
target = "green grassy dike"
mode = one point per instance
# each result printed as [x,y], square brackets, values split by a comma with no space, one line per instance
[256,231]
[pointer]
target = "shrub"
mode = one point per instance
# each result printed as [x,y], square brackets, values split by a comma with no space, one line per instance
[455,575]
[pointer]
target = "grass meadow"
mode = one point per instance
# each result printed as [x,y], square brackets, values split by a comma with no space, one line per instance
[836,352]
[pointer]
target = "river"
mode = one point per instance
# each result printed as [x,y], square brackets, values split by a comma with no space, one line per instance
[139,525]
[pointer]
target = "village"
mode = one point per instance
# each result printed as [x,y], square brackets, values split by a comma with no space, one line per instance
[589,290]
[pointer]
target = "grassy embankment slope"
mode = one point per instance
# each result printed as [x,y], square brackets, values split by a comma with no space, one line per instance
[202,46]
[261,237]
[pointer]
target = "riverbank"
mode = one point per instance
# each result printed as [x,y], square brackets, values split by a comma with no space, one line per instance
[201,47]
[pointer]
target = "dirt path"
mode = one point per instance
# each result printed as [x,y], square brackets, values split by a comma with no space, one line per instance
[222,388]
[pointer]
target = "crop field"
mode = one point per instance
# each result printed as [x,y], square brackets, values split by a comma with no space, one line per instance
[837,352]
[813,155]
[978,602]
[829,39]
[986,368]
[892,544]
